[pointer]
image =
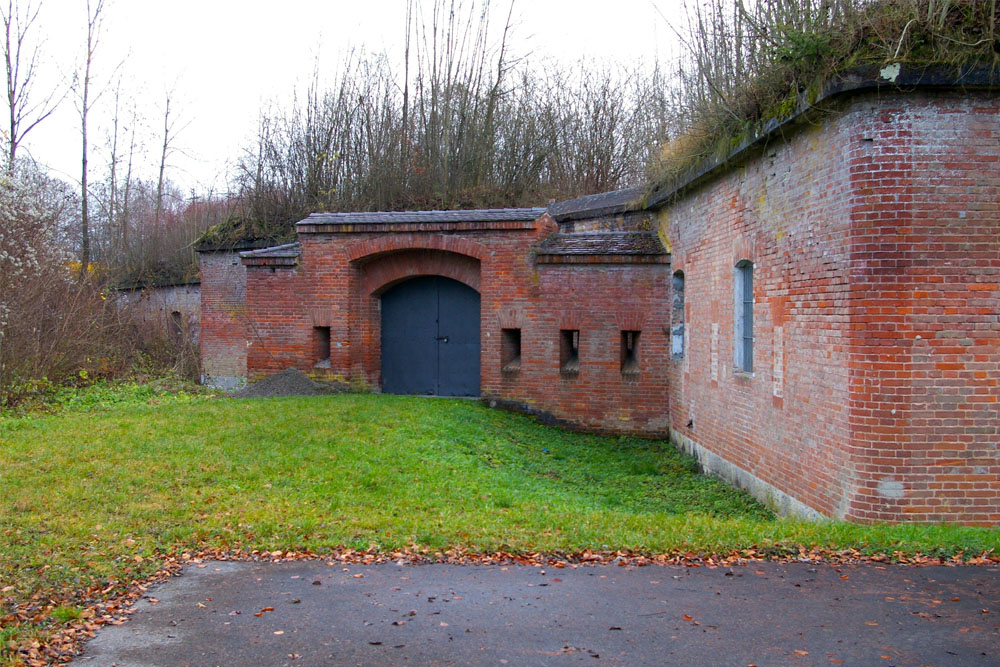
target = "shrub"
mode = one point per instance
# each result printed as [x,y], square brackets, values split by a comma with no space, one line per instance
[56,323]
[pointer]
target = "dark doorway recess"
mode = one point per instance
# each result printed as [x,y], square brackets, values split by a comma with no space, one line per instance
[430,338]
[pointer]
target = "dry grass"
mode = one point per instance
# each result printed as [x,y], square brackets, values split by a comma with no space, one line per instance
[749,63]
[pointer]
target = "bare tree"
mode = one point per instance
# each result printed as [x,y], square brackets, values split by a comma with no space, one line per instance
[95,19]
[21,62]
[165,150]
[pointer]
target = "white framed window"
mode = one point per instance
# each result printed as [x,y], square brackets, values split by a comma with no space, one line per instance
[743,316]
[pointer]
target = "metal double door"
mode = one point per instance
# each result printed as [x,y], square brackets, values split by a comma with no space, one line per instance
[430,338]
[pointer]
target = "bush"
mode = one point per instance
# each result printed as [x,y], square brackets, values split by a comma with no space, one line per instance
[56,323]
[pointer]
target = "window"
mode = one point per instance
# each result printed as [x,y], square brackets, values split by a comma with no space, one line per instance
[510,350]
[677,317]
[321,345]
[630,353]
[569,351]
[743,317]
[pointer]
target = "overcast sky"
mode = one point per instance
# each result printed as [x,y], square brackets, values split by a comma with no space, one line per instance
[224,58]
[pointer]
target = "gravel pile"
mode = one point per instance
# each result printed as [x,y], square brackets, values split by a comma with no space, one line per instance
[289,382]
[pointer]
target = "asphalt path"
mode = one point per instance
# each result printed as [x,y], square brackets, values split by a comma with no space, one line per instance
[314,613]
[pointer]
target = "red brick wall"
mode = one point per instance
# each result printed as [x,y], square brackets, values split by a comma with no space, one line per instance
[587,298]
[875,243]
[783,211]
[341,277]
[223,319]
[925,252]
[280,330]
[876,250]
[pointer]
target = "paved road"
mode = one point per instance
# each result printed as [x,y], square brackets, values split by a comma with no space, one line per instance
[761,614]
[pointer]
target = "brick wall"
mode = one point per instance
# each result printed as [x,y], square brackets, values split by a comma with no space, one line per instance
[925,350]
[340,278]
[587,298]
[223,320]
[876,262]
[874,241]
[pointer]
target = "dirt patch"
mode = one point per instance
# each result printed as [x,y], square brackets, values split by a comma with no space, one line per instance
[289,382]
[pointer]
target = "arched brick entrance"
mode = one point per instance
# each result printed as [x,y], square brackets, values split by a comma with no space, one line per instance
[418,285]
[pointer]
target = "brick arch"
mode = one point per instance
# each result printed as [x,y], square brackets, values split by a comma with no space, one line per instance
[385,270]
[399,242]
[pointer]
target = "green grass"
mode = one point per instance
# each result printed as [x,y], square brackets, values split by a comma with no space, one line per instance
[117,475]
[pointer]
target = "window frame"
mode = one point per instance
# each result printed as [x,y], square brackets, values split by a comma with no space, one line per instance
[322,346]
[629,352]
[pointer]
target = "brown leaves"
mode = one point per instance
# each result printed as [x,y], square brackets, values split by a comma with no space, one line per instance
[110,602]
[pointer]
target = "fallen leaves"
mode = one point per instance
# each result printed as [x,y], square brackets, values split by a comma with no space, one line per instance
[110,602]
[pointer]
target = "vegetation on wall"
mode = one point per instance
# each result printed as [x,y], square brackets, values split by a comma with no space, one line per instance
[748,63]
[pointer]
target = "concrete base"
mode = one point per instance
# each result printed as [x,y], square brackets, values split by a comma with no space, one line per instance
[776,499]
[223,382]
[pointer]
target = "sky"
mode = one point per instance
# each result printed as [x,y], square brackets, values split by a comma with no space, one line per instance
[221,60]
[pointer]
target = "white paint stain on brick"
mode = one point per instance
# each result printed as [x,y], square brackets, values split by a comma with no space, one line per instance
[890,487]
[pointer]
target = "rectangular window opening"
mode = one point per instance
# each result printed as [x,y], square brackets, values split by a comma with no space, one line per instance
[510,350]
[677,317]
[743,334]
[321,346]
[569,351]
[630,353]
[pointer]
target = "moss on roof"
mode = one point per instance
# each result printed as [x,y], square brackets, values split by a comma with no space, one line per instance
[800,65]
[240,232]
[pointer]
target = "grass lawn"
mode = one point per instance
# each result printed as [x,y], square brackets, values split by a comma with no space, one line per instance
[88,494]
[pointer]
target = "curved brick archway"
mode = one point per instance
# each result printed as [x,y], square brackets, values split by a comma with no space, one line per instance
[392,243]
[387,267]
[386,270]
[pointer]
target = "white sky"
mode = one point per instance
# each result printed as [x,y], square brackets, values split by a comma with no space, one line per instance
[225,58]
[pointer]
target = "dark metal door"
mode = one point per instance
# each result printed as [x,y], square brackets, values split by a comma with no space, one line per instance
[430,338]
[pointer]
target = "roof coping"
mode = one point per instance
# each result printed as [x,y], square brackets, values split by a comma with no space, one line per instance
[598,205]
[394,217]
